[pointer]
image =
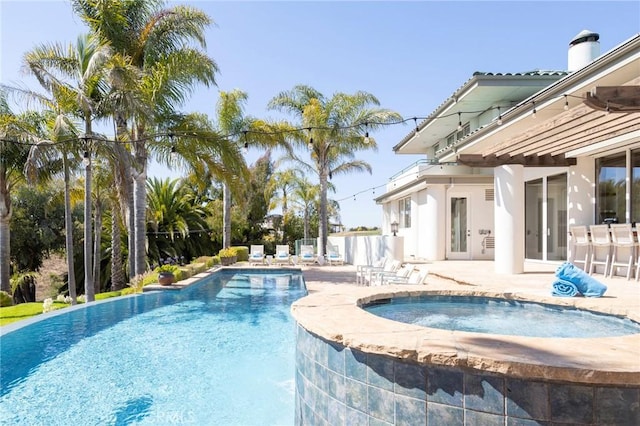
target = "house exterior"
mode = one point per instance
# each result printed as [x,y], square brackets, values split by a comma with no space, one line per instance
[512,160]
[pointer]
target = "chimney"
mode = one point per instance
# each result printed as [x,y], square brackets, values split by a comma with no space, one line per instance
[583,49]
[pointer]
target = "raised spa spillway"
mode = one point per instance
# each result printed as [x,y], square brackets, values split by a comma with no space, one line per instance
[355,367]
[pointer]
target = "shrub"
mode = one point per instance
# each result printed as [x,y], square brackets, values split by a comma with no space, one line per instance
[5,299]
[242,252]
[207,260]
[140,280]
[228,252]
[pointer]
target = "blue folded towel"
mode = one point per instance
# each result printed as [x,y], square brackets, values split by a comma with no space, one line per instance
[563,288]
[585,283]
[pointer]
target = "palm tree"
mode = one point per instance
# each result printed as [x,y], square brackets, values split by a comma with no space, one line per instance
[159,43]
[14,131]
[77,70]
[336,127]
[304,196]
[172,217]
[278,190]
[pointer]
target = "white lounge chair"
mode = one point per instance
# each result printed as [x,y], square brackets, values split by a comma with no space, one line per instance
[371,274]
[282,256]
[416,277]
[307,255]
[256,257]
[333,255]
[381,278]
[362,270]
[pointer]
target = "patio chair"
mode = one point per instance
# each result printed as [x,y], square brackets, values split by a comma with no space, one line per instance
[600,248]
[624,244]
[256,257]
[382,277]
[362,270]
[282,255]
[307,255]
[371,274]
[333,255]
[581,241]
[416,277]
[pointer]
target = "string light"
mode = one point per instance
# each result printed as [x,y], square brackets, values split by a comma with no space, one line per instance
[366,133]
[566,103]
[191,134]
[86,159]
[459,121]
[533,113]
[499,117]
[310,139]
[246,143]
[174,151]
[607,110]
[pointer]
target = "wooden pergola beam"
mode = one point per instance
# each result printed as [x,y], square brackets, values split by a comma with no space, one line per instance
[614,98]
[479,160]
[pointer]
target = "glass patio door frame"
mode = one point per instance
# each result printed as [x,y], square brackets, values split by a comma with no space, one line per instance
[543,234]
[453,226]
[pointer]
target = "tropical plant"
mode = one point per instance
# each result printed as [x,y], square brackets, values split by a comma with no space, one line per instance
[15,131]
[336,128]
[173,219]
[160,44]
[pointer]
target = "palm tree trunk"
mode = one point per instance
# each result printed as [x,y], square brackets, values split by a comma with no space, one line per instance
[322,226]
[97,258]
[226,216]
[140,209]
[5,216]
[5,284]
[68,225]
[88,264]
[131,236]
[117,270]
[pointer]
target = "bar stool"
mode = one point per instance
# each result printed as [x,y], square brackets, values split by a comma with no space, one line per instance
[600,247]
[623,242]
[580,238]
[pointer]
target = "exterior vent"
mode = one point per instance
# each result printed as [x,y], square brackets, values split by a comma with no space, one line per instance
[489,194]
[490,243]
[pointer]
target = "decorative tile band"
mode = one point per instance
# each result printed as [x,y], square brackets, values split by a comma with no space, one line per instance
[336,385]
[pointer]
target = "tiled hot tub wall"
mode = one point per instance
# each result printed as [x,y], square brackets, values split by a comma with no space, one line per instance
[340,386]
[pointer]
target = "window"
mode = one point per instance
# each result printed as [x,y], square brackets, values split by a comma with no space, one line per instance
[612,189]
[635,186]
[404,211]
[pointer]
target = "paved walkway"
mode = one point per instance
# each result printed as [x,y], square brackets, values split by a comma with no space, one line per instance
[331,311]
[622,296]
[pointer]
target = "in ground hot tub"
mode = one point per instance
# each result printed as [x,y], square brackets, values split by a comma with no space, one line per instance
[353,367]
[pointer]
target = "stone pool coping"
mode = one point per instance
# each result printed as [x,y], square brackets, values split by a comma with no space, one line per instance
[334,314]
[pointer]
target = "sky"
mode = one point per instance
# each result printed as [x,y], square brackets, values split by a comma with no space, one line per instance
[410,55]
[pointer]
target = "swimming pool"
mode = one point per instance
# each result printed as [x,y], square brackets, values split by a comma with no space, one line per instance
[500,316]
[221,352]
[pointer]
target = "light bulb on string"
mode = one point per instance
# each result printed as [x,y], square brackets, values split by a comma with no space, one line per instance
[310,145]
[86,159]
[415,120]
[459,121]
[533,113]
[174,154]
[366,133]
[499,117]
[245,149]
[566,103]
[608,109]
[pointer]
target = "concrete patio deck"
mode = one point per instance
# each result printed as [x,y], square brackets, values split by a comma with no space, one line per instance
[331,312]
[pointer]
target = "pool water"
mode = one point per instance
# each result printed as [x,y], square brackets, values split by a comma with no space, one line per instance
[499,316]
[219,352]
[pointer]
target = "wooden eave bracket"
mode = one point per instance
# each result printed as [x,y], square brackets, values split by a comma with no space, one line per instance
[614,98]
[478,160]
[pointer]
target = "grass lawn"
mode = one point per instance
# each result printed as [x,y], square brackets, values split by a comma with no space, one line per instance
[22,311]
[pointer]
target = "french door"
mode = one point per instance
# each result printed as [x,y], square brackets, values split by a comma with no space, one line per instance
[459,243]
